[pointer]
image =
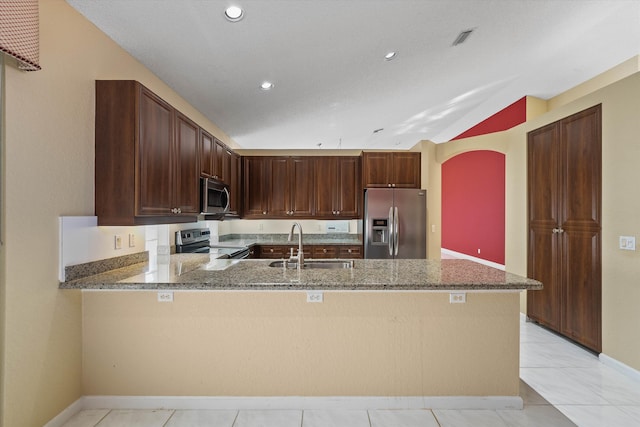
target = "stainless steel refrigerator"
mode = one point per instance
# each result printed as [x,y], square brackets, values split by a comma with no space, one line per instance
[395,223]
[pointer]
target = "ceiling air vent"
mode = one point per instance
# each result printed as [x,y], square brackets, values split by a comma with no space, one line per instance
[462,37]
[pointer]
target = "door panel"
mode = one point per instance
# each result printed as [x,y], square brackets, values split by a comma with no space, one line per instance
[582,165]
[302,186]
[349,197]
[378,201]
[325,175]
[581,314]
[411,207]
[406,170]
[187,169]
[254,186]
[278,183]
[155,167]
[544,260]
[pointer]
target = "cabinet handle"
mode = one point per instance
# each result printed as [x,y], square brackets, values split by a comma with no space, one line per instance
[349,250]
[393,185]
[324,251]
[337,212]
[388,185]
[179,210]
[557,230]
[271,250]
[264,212]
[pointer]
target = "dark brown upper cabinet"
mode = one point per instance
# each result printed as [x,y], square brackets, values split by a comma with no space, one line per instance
[278,187]
[146,169]
[391,169]
[338,189]
[215,158]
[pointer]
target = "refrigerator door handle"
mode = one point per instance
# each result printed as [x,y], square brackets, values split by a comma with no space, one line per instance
[396,231]
[391,231]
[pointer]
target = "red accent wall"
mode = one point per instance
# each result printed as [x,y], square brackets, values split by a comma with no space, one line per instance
[504,119]
[473,206]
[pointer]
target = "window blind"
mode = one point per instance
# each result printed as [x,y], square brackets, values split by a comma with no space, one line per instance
[19,32]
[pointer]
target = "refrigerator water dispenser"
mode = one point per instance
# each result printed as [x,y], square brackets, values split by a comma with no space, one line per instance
[379,232]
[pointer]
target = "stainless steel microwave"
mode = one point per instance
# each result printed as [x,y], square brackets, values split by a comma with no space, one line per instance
[215,197]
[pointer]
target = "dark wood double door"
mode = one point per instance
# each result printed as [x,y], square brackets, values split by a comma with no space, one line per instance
[564,208]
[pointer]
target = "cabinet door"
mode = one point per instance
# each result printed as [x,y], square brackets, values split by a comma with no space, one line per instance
[376,169]
[349,189]
[154,175]
[544,199]
[302,186]
[564,184]
[254,186]
[406,170]
[207,151]
[221,162]
[580,219]
[235,182]
[187,176]
[326,186]
[279,186]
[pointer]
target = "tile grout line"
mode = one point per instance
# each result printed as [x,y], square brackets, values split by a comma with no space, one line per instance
[102,419]
[173,412]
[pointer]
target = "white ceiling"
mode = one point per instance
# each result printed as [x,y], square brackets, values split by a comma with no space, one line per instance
[326,59]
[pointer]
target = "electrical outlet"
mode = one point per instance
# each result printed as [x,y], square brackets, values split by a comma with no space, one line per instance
[457,298]
[478,251]
[315,297]
[132,240]
[165,296]
[117,241]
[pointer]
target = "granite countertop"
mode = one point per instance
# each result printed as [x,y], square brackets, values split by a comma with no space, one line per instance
[203,272]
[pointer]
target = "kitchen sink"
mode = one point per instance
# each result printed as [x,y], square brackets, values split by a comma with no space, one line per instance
[326,264]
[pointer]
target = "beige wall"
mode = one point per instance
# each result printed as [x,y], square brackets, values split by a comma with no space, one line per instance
[277,344]
[49,172]
[621,204]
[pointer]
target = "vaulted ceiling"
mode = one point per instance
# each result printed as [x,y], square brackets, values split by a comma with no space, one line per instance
[326,58]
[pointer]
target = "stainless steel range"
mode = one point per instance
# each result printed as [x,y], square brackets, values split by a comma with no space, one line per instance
[197,240]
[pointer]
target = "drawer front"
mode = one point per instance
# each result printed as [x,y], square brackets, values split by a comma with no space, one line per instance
[276,252]
[350,252]
[325,252]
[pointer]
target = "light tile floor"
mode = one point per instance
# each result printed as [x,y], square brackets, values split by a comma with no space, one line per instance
[563,386]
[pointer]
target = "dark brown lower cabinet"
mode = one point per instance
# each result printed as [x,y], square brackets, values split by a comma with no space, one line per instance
[310,251]
[564,208]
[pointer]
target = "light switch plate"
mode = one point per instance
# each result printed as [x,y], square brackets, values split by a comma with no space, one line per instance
[628,243]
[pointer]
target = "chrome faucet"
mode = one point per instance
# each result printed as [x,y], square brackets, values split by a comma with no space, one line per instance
[300,258]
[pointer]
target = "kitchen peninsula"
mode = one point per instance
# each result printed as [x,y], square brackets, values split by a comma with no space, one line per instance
[384,330]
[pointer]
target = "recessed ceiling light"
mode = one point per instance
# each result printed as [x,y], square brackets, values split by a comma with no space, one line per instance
[266,85]
[234,13]
[389,56]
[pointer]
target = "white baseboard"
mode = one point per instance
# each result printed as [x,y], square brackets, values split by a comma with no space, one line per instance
[287,402]
[460,255]
[619,366]
[66,414]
